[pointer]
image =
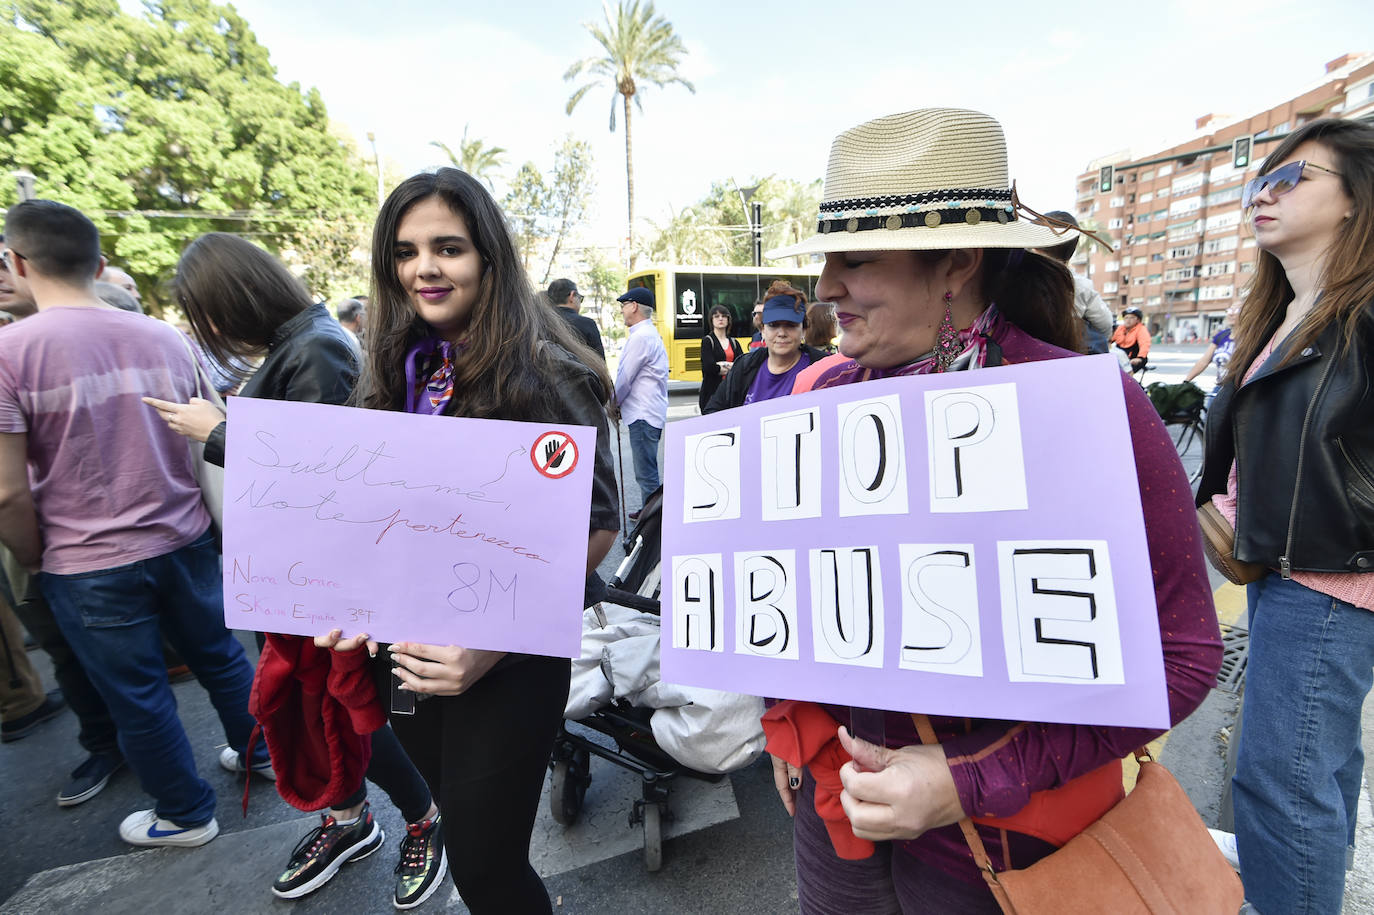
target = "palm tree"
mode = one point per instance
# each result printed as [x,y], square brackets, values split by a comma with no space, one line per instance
[640,47]
[474,156]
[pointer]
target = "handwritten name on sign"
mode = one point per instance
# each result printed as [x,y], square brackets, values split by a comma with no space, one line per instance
[962,544]
[415,528]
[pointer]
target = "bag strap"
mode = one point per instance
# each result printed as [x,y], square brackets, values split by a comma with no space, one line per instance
[926,732]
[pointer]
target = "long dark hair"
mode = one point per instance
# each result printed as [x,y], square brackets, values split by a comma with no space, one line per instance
[235,295]
[1032,291]
[505,371]
[1347,279]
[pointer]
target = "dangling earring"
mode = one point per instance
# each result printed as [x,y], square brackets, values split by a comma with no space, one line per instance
[947,341]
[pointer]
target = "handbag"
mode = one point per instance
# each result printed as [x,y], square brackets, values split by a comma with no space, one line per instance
[1219,541]
[1151,853]
[209,476]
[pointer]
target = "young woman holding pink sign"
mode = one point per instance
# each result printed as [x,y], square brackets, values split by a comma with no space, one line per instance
[455,330]
[926,262]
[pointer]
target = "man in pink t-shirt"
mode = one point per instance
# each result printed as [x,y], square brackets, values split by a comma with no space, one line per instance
[99,497]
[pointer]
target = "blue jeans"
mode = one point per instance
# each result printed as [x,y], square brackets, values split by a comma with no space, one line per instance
[644,446]
[1297,782]
[115,620]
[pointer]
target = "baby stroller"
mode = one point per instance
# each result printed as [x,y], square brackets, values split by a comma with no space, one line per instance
[602,702]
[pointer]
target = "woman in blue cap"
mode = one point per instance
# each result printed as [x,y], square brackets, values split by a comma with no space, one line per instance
[769,372]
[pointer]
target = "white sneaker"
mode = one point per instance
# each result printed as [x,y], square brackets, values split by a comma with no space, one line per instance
[1226,841]
[230,759]
[146,828]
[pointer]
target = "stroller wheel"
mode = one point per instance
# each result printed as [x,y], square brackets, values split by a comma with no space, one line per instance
[569,787]
[653,837]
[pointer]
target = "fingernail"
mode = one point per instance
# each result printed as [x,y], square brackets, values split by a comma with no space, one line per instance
[794,783]
[372,652]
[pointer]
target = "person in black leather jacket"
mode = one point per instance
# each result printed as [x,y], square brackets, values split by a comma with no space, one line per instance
[1289,461]
[243,303]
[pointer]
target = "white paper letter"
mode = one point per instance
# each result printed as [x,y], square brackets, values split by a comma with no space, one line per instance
[766,604]
[698,603]
[710,476]
[976,460]
[847,606]
[940,631]
[872,457]
[1059,616]
[790,471]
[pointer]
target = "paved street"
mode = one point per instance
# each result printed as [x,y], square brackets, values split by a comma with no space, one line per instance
[729,848]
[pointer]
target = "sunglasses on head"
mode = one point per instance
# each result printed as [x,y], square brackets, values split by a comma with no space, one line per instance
[1279,182]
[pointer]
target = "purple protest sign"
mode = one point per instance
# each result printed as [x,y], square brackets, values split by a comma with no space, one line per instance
[953,544]
[409,528]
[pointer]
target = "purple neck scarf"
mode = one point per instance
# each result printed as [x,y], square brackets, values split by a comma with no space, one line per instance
[437,388]
[973,353]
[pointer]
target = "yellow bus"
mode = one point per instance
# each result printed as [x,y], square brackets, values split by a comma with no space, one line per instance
[685,294]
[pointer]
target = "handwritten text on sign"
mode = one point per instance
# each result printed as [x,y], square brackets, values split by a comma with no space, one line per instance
[409,528]
[954,544]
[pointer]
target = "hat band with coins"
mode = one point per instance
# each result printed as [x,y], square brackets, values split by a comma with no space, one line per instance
[962,206]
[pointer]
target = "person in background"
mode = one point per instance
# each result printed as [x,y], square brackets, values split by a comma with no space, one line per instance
[564,296]
[1132,339]
[1087,303]
[770,372]
[756,341]
[458,332]
[126,554]
[821,329]
[118,297]
[719,351]
[952,287]
[1289,447]
[1218,353]
[641,387]
[352,317]
[121,278]
[241,301]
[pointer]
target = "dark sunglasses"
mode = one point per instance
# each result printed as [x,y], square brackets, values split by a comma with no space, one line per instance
[1280,181]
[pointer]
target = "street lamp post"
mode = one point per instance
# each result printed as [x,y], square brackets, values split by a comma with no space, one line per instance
[376,160]
[754,216]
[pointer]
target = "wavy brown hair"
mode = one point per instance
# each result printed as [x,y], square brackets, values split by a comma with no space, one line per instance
[235,295]
[821,328]
[506,371]
[1347,275]
[1031,290]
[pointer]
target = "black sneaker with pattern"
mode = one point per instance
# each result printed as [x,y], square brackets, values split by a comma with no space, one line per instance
[422,866]
[328,847]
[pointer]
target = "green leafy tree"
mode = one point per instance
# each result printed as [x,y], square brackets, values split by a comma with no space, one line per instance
[474,156]
[569,193]
[640,48]
[605,281]
[165,126]
[526,204]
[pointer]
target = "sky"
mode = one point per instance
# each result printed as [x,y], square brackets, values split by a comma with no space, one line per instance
[1070,81]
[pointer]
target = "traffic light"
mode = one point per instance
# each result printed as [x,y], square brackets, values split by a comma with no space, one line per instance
[1105,179]
[1240,151]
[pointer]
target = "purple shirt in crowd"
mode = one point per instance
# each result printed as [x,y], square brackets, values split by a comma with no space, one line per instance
[111,483]
[766,385]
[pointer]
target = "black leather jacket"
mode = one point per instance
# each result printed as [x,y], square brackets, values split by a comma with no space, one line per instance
[735,387]
[1302,437]
[309,359]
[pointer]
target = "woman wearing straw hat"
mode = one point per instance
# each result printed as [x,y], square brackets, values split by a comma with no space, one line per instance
[925,259]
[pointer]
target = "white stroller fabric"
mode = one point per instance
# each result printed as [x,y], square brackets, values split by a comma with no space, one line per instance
[703,729]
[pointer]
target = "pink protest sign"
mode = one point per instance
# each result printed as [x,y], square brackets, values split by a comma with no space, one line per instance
[956,544]
[409,528]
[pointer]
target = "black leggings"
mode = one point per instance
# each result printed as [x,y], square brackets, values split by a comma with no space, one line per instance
[391,770]
[484,754]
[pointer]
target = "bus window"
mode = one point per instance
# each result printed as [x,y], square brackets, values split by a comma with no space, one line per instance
[737,293]
[647,281]
[689,308]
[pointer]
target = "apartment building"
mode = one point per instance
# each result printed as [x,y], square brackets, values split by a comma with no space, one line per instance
[1181,249]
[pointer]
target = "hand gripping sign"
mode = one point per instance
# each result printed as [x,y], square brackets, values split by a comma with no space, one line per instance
[936,543]
[431,529]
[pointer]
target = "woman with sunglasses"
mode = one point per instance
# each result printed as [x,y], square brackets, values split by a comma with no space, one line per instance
[1289,463]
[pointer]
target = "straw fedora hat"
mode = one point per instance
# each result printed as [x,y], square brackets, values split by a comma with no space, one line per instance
[927,179]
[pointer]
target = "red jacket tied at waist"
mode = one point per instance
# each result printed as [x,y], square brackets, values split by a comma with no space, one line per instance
[317,709]
[803,734]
